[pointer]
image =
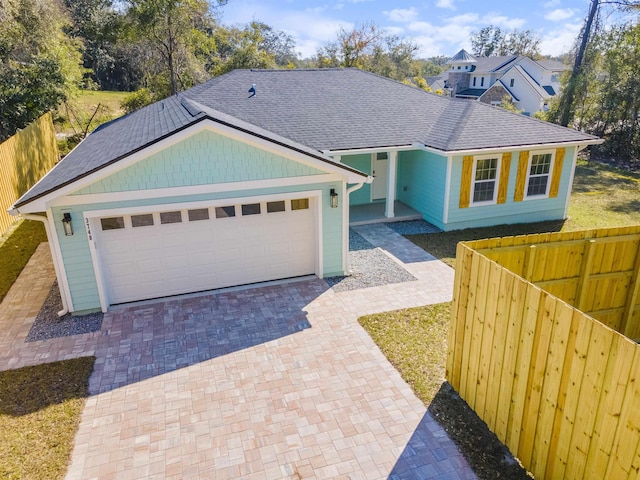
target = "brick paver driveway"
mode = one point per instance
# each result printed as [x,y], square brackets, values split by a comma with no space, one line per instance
[266,383]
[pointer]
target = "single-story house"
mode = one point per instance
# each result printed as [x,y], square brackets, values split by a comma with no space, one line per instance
[219,187]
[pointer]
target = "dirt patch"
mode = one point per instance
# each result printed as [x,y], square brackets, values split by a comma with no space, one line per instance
[487,455]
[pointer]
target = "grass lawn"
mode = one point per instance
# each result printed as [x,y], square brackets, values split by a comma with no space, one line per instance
[15,251]
[602,197]
[82,107]
[40,410]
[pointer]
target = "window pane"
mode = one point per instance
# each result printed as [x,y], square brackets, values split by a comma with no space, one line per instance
[537,186]
[142,220]
[275,206]
[251,209]
[483,191]
[113,223]
[198,214]
[486,169]
[382,156]
[300,204]
[170,217]
[540,164]
[224,212]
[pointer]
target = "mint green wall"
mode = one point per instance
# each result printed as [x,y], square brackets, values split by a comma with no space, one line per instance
[77,256]
[201,159]
[360,162]
[526,211]
[421,181]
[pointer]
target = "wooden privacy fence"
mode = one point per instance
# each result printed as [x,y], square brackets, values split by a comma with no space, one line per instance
[560,389]
[24,159]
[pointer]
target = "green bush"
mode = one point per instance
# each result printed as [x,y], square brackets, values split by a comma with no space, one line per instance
[136,100]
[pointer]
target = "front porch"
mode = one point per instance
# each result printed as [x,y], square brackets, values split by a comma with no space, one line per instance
[375,213]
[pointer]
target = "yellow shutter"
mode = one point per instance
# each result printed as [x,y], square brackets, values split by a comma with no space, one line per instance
[504,177]
[465,181]
[523,163]
[557,172]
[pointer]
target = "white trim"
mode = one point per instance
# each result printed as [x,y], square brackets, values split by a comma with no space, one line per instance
[447,190]
[329,166]
[549,174]
[194,190]
[392,165]
[63,282]
[480,151]
[444,153]
[91,217]
[571,178]
[495,180]
[345,228]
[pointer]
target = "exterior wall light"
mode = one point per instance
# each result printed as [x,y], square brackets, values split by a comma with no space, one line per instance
[66,224]
[334,198]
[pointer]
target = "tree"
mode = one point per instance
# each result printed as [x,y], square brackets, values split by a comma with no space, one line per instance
[492,41]
[368,48]
[40,65]
[170,27]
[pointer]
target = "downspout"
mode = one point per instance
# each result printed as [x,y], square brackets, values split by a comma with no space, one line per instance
[355,187]
[345,227]
[44,220]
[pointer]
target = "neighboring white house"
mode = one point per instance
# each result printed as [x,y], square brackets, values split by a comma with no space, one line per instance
[530,84]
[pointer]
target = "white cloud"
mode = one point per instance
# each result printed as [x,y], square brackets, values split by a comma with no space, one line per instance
[551,4]
[502,21]
[401,15]
[560,14]
[445,4]
[560,40]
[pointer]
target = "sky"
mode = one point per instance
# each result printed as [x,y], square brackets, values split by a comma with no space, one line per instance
[439,27]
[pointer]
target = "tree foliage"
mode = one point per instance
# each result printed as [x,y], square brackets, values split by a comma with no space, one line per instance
[493,41]
[368,47]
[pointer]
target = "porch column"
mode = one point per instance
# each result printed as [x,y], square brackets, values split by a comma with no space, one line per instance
[391,184]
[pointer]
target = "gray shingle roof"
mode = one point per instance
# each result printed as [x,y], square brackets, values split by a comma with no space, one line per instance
[310,110]
[462,57]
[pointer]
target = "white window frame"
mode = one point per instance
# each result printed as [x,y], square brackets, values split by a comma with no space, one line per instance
[548,175]
[493,201]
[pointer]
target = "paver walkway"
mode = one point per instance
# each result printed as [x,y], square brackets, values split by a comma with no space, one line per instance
[264,383]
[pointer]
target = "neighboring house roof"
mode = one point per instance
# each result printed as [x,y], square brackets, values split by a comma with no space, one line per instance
[536,87]
[462,57]
[494,64]
[310,111]
[471,92]
[549,89]
[552,64]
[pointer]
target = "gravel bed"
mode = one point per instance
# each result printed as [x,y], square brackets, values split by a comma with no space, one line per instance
[369,266]
[412,227]
[48,325]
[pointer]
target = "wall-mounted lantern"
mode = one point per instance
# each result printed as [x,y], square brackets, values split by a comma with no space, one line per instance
[66,224]
[334,198]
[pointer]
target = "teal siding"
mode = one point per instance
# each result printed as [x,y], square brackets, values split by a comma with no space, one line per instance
[204,158]
[537,210]
[360,162]
[77,256]
[421,182]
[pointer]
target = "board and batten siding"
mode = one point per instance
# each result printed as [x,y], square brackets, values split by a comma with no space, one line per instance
[361,162]
[77,256]
[202,159]
[421,183]
[514,209]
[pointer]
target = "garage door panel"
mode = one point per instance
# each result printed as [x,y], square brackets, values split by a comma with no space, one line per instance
[168,259]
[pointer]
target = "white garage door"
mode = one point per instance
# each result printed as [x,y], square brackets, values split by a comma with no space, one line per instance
[157,254]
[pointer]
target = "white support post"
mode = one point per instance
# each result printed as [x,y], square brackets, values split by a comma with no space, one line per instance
[391,184]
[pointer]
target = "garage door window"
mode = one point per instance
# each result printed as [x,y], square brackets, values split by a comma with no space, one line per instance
[113,223]
[170,217]
[275,206]
[224,212]
[142,220]
[198,214]
[300,204]
[251,209]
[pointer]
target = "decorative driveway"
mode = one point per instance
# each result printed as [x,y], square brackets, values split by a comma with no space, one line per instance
[272,382]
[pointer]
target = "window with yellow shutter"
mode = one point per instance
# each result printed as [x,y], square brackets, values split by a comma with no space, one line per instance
[539,173]
[484,188]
